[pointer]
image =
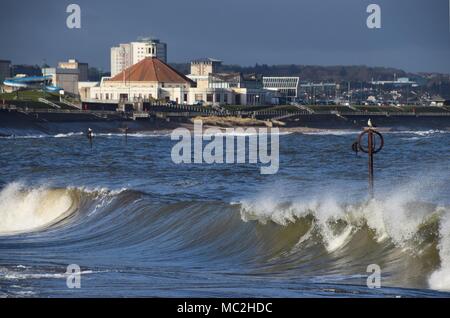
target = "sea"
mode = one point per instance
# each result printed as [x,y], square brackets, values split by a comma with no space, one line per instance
[136,224]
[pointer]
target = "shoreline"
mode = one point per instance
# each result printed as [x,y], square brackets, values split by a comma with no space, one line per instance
[16,123]
[80,129]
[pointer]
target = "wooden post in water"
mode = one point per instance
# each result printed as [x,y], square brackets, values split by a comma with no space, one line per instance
[90,136]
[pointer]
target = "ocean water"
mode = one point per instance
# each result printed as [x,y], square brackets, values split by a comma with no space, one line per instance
[139,225]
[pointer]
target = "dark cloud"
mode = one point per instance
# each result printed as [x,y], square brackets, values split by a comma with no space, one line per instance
[414,36]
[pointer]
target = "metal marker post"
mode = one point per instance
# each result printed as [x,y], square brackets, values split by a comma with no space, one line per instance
[371,149]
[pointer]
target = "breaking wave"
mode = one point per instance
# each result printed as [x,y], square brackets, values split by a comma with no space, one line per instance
[28,209]
[23,210]
[409,239]
[392,231]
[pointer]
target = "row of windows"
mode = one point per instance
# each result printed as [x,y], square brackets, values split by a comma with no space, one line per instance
[279,82]
[280,79]
[113,96]
[284,85]
[210,98]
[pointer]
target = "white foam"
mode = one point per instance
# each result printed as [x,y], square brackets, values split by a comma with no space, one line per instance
[332,132]
[440,279]
[71,134]
[326,214]
[422,133]
[134,135]
[245,133]
[398,218]
[23,210]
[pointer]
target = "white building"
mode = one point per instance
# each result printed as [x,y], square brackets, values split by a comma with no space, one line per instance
[225,88]
[65,78]
[126,55]
[229,88]
[287,86]
[152,79]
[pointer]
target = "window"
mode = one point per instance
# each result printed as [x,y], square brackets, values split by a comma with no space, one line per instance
[238,99]
[209,98]
[185,97]
[217,98]
[225,98]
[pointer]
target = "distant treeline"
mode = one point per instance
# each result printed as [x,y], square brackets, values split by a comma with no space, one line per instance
[435,83]
[312,72]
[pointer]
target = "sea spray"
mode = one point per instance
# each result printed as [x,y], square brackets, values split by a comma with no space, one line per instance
[400,220]
[24,209]
[440,279]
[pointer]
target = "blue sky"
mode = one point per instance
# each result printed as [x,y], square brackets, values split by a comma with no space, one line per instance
[414,36]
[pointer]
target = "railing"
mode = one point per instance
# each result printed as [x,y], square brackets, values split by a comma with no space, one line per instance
[417,114]
[70,104]
[189,111]
[45,101]
[56,111]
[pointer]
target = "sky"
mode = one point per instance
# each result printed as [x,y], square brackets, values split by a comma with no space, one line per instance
[414,34]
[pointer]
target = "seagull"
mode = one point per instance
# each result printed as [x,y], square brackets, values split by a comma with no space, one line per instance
[370,123]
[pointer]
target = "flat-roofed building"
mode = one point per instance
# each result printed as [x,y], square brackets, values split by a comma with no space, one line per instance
[72,64]
[204,66]
[65,78]
[229,88]
[287,86]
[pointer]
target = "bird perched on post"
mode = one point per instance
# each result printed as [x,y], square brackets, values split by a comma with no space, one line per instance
[369,123]
[90,133]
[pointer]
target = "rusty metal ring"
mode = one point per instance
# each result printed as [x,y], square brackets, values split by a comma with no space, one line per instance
[374,150]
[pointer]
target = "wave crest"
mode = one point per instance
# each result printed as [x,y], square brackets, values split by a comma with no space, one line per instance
[25,210]
[397,224]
